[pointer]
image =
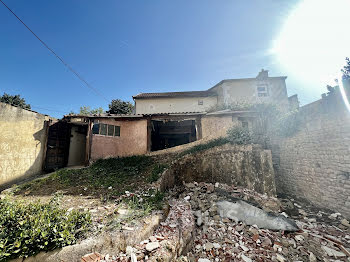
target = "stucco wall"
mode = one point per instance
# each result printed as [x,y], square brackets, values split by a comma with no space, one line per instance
[245,91]
[174,105]
[217,125]
[132,140]
[247,166]
[22,139]
[314,163]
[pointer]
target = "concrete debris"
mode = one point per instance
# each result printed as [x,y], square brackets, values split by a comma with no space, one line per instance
[242,242]
[312,257]
[245,259]
[152,246]
[187,198]
[240,211]
[345,222]
[168,241]
[133,257]
[333,253]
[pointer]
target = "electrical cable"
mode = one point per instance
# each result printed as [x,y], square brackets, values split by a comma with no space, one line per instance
[58,57]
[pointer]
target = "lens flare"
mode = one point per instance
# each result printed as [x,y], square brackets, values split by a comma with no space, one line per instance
[315,40]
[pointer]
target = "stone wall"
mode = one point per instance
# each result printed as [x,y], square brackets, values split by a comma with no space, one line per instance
[314,163]
[248,166]
[22,140]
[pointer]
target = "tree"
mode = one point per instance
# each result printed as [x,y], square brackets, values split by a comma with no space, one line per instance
[346,69]
[118,106]
[86,110]
[15,100]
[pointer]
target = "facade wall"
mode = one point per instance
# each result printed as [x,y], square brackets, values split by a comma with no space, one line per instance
[22,143]
[240,91]
[217,125]
[314,164]
[132,140]
[174,105]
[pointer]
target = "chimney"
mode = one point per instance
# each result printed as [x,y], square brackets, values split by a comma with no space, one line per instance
[263,74]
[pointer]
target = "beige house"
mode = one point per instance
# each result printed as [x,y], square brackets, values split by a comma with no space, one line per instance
[175,102]
[261,89]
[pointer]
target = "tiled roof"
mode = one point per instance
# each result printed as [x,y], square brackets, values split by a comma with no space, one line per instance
[176,94]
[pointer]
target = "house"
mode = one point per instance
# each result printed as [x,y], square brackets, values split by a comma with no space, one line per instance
[77,140]
[181,117]
[261,89]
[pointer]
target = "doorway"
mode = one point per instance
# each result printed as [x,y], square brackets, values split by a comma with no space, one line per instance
[77,145]
[57,146]
[166,134]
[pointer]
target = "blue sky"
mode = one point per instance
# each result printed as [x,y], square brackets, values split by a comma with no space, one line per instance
[123,48]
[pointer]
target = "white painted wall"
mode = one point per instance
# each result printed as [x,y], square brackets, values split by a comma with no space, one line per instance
[174,105]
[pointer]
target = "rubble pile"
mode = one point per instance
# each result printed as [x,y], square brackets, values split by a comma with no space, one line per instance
[322,236]
[198,230]
[171,239]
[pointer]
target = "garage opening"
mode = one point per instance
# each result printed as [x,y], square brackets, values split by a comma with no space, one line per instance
[166,134]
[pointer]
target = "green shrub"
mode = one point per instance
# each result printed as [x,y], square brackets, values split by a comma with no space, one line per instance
[239,135]
[288,124]
[27,229]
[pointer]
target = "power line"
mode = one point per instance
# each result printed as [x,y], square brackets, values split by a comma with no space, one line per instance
[57,56]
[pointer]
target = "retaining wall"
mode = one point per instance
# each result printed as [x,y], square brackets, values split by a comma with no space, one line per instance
[248,166]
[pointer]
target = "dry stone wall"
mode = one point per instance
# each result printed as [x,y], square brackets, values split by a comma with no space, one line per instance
[314,163]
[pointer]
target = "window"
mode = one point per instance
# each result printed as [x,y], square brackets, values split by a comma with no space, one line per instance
[116,130]
[110,130]
[103,129]
[245,124]
[262,90]
[96,129]
[106,130]
[200,102]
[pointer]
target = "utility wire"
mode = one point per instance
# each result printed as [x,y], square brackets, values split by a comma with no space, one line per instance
[58,57]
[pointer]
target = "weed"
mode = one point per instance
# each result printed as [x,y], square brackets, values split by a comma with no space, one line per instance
[139,206]
[26,229]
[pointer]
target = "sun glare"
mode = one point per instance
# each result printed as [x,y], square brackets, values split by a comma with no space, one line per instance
[315,40]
